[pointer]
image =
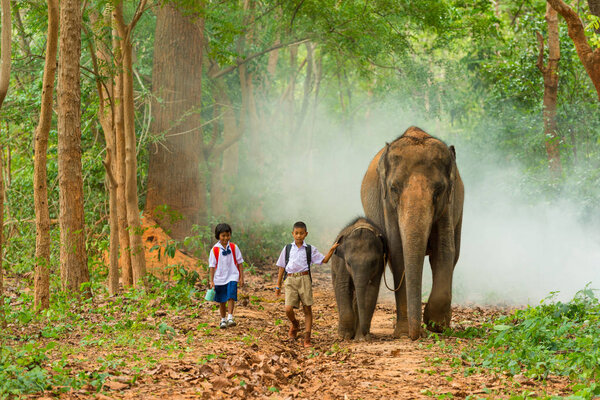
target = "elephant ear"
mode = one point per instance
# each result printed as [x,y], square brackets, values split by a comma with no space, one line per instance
[382,169]
[339,251]
[452,173]
[384,245]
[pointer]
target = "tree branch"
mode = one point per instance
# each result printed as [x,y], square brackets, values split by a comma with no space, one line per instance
[227,70]
[540,61]
[589,58]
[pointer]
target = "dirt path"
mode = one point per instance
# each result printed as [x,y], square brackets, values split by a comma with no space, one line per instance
[191,358]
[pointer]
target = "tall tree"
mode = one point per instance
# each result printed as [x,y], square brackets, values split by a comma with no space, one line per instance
[73,258]
[590,58]
[40,186]
[125,65]
[103,61]
[119,164]
[5,58]
[174,176]
[2,316]
[550,74]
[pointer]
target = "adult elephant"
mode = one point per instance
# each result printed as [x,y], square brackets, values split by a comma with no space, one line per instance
[413,191]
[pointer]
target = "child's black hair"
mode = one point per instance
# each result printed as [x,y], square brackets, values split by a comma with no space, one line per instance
[222,228]
[300,225]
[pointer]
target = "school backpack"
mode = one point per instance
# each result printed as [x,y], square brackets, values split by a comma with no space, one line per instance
[288,248]
[217,252]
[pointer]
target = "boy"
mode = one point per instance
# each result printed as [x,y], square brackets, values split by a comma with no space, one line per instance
[295,260]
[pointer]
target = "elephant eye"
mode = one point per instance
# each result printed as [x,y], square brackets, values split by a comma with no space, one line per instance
[438,190]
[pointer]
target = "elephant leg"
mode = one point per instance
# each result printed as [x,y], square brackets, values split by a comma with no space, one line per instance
[344,293]
[401,328]
[438,310]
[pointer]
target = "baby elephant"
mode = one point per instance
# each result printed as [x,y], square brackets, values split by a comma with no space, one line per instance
[356,269]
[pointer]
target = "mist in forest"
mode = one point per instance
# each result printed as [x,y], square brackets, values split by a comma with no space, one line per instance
[515,250]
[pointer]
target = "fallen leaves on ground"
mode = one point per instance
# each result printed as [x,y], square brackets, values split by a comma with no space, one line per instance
[255,359]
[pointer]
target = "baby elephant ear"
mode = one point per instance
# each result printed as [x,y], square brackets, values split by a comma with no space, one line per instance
[384,243]
[339,250]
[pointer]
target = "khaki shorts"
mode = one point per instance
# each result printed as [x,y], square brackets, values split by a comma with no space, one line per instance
[298,289]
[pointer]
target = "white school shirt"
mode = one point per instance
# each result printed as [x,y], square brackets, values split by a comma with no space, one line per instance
[226,270]
[297,262]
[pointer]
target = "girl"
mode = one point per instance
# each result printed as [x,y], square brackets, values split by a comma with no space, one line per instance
[225,265]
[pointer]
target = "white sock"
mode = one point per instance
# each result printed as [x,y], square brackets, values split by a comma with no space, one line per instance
[229,316]
[223,319]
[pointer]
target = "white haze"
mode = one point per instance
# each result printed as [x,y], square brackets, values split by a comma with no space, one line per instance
[514,251]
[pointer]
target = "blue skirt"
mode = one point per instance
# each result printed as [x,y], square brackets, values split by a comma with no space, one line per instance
[226,292]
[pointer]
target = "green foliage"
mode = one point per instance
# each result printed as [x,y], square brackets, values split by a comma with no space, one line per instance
[37,360]
[553,338]
[26,370]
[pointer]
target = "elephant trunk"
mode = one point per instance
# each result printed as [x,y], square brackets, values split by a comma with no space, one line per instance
[363,317]
[415,227]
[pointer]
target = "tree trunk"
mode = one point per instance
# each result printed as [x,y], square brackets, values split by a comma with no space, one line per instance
[308,87]
[5,49]
[5,54]
[2,316]
[40,181]
[138,260]
[73,258]
[595,10]
[107,121]
[590,58]
[225,164]
[550,74]
[119,163]
[174,176]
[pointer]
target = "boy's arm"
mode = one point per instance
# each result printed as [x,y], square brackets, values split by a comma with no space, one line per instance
[330,253]
[279,281]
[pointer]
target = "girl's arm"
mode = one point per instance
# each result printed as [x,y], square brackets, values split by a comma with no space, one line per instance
[241,275]
[211,278]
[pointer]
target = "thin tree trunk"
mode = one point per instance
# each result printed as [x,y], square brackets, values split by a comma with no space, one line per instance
[113,268]
[176,185]
[5,54]
[5,49]
[595,10]
[138,260]
[73,258]
[590,58]
[107,121]
[225,165]
[40,181]
[550,74]
[2,316]
[308,87]
[119,163]
[20,28]
[289,99]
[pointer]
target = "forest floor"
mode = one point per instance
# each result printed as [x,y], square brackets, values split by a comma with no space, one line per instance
[184,355]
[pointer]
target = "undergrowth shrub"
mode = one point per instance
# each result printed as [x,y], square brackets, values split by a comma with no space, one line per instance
[552,338]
